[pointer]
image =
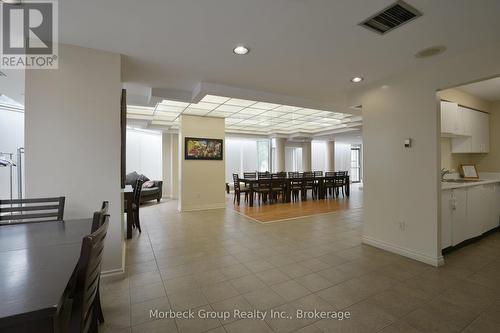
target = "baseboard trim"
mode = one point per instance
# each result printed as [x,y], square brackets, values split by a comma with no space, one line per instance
[113,274]
[203,207]
[438,261]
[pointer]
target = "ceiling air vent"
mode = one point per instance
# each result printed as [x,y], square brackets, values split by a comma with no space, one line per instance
[391,17]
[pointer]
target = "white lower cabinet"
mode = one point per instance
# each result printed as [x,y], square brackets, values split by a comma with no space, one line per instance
[468,212]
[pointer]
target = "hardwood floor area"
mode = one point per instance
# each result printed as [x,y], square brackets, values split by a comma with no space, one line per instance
[267,213]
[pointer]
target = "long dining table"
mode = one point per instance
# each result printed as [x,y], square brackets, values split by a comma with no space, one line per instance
[252,182]
[36,263]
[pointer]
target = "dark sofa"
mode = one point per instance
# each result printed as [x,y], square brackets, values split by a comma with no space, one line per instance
[148,193]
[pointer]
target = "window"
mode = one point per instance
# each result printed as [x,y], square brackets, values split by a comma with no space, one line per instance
[355,165]
[246,155]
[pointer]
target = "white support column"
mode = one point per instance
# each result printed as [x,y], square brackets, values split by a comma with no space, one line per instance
[306,156]
[174,171]
[280,154]
[330,156]
[166,154]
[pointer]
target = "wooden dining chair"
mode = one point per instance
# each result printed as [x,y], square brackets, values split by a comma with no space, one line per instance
[263,189]
[329,183]
[77,311]
[250,175]
[238,189]
[339,182]
[308,183]
[263,175]
[97,221]
[32,210]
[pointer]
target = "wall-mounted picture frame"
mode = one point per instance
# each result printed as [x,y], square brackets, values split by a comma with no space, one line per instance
[468,171]
[203,149]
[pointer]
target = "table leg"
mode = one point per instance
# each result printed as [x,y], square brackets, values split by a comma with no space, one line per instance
[321,189]
[251,195]
[348,186]
[130,215]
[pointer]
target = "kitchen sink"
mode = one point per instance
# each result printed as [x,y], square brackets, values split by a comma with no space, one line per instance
[461,180]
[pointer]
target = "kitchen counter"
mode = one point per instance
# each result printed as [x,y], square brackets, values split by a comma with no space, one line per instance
[452,185]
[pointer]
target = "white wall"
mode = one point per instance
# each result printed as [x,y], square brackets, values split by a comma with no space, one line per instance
[201,183]
[170,162]
[402,185]
[144,153]
[72,123]
[11,138]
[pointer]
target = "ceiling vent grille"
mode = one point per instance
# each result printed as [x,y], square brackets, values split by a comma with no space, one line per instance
[391,17]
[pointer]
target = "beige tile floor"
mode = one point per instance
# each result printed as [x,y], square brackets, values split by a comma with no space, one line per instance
[218,260]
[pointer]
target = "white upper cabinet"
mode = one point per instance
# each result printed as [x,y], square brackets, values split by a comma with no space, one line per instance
[469,129]
[449,118]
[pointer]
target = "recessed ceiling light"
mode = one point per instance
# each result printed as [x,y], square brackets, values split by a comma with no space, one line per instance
[356,79]
[241,50]
[430,51]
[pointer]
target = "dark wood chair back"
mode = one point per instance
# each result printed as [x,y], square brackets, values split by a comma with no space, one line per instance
[329,174]
[264,175]
[281,175]
[100,216]
[250,175]
[236,180]
[83,286]
[138,191]
[293,174]
[32,210]
[318,173]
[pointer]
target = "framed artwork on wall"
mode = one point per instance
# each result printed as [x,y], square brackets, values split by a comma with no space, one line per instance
[203,149]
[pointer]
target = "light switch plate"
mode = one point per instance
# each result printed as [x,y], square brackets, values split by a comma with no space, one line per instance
[407,143]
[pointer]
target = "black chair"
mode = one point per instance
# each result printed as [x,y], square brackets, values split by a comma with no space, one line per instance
[296,183]
[263,175]
[278,186]
[32,210]
[77,312]
[238,189]
[97,221]
[329,183]
[263,189]
[339,182]
[98,218]
[136,201]
[250,175]
[308,183]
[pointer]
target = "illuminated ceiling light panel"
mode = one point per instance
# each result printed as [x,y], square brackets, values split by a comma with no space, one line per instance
[162,123]
[215,99]
[307,112]
[287,108]
[196,112]
[240,102]
[174,103]
[139,116]
[229,108]
[169,108]
[218,114]
[204,106]
[251,111]
[265,106]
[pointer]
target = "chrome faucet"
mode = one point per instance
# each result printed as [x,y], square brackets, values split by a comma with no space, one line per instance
[444,172]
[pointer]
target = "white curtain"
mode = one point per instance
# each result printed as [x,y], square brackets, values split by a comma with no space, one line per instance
[318,155]
[242,155]
[342,157]
[144,153]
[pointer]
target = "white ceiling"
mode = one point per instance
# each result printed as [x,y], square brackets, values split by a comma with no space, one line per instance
[488,89]
[303,48]
[245,116]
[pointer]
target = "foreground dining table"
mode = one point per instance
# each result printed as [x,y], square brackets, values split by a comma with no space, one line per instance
[36,262]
